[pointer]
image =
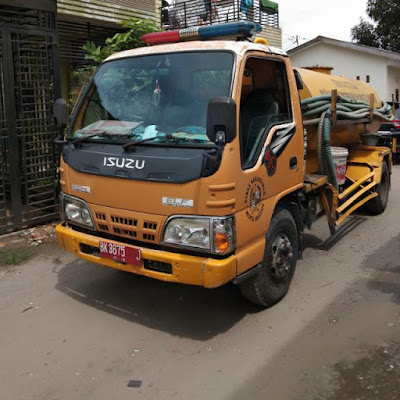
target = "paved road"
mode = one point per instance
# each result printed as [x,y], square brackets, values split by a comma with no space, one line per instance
[73,330]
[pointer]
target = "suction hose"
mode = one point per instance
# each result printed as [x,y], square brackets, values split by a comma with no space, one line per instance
[329,166]
[346,108]
[319,108]
[319,144]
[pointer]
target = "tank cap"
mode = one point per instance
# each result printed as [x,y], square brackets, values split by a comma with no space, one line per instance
[260,40]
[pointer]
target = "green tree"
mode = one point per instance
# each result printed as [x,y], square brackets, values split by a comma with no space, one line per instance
[130,39]
[364,33]
[384,31]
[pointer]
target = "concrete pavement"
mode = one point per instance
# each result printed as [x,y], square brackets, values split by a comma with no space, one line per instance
[73,330]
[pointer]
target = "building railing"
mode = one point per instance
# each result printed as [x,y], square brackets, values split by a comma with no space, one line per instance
[184,14]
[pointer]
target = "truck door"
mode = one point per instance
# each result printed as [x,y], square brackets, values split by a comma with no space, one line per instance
[271,146]
[267,124]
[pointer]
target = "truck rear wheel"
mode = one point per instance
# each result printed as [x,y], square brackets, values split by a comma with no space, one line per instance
[272,281]
[378,204]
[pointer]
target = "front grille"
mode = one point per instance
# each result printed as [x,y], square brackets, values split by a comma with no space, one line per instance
[101,216]
[123,221]
[149,225]
[124,232]
[127,224]
[146,236]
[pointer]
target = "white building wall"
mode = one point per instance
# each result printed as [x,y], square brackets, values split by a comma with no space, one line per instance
[348,63]
[393,82]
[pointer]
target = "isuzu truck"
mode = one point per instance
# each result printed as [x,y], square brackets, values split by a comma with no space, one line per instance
[201,158]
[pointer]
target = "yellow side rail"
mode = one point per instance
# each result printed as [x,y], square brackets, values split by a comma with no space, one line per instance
[352,200]
[355,197]
[338,213]
[355,185]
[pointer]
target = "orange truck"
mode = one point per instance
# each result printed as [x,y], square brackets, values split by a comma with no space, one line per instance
[202,158]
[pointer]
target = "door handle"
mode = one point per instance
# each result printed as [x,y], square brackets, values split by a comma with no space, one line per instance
[293,163]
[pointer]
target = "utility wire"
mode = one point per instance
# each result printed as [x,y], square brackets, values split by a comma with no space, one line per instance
[295,39]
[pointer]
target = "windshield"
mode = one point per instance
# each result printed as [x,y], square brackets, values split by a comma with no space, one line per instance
[155,96]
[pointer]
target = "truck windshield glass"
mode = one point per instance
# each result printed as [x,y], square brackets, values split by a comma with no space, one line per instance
[156,96]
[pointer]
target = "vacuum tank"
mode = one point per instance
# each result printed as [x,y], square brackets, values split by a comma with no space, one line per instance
[346,131]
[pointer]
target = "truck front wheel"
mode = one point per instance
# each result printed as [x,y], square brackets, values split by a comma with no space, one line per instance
[378,204]
[272,281]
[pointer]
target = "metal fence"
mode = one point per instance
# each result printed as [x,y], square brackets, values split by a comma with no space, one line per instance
[29,82]
[184,14]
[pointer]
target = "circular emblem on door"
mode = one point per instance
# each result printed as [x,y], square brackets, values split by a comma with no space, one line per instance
[255,193]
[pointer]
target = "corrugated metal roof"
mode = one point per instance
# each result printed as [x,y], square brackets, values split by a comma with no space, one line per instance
[148,5]
[107,11]
[73,35]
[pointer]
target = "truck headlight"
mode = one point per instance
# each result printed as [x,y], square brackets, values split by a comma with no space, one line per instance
[76,210]
[216,235]
[224,239]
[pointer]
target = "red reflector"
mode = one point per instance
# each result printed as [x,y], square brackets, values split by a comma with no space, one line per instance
[162,37]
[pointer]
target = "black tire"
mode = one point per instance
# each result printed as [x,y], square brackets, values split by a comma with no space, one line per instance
[272,281]
[378,204]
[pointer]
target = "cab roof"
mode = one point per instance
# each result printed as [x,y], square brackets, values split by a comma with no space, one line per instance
[239,48]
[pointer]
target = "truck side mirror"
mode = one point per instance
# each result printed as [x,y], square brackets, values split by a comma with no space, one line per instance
[221,120]
[60,113]
[299,81]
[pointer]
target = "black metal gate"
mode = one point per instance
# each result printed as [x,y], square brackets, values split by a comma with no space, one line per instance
[29,83]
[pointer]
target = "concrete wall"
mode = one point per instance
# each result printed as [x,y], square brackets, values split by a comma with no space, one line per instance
[348,63]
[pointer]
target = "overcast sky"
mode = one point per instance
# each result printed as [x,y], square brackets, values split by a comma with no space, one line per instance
[311,18]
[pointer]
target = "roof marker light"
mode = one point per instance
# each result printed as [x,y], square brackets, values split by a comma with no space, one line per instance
[241,29]
[260,40]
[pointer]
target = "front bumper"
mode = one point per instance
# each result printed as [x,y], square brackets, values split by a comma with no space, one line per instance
[191,270]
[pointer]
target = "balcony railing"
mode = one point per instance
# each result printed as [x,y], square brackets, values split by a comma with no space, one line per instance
[185,14]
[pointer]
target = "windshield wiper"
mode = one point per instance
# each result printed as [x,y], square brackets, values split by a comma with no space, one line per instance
[168,137]
[99,133]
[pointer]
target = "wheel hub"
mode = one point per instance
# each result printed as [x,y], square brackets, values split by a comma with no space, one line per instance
[282,255]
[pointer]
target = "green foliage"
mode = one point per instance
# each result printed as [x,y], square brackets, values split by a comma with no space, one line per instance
[130,39]
[95,53]
[80,77]
[364,33]
[208,82]
[14,257]
[384,32]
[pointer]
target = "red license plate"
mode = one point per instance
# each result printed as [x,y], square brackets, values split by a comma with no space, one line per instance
[121,253]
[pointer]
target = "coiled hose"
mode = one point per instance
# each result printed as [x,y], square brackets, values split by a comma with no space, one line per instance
[319,107]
